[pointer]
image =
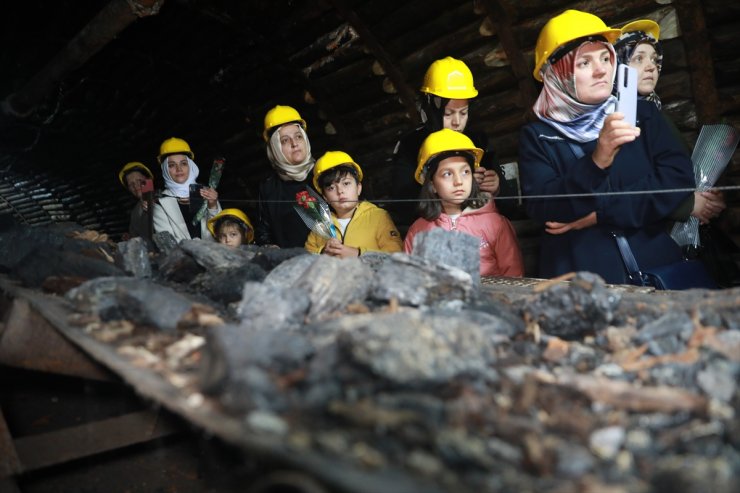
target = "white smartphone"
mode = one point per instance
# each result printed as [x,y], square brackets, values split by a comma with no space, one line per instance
[627,93]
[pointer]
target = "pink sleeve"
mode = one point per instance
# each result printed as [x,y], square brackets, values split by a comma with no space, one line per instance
[508,254]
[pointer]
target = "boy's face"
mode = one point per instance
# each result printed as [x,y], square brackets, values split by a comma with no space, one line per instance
[230,235]
[343,195]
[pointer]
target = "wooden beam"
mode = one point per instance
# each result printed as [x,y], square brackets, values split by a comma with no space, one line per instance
[101,30]
[57,447]
[10,465]
[501,20]
[29,341]
[386,60]
[699,55]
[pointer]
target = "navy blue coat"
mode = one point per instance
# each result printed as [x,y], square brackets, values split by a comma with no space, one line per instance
[654,161]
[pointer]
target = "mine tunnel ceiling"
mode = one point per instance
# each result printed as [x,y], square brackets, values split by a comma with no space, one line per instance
[207,71]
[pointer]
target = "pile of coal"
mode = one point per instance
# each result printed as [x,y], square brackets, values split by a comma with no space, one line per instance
[411,364]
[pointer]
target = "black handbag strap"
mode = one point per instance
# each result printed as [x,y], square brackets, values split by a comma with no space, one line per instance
[633,270]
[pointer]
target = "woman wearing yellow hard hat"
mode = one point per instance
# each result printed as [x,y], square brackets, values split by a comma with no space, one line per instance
[133,177]
[289,153]
[639,47]
[172,211]
[444,102]
[582,150]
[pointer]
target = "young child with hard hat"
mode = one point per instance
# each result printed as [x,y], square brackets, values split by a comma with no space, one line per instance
[231,227]
[451,199]
[362,226]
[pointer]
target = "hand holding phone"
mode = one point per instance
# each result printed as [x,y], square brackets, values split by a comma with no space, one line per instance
[627,93]
[195,198]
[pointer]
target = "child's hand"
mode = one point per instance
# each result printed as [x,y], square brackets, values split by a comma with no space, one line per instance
[487,180]
[336,248]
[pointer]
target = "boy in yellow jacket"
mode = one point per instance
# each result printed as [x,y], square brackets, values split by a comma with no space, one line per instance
[361,226]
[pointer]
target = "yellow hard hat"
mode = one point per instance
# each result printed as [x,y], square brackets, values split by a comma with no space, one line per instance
[133,166]
[173,145]
[652,28]
[331,160]
[568,26]
[281,115]
[235,214]
[449,78]
[444,140]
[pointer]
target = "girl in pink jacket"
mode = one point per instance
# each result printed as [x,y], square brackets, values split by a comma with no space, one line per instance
[450,199]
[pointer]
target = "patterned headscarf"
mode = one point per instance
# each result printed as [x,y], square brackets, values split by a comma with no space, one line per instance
[626,45]
[181,190]
[286,170]
[558,104]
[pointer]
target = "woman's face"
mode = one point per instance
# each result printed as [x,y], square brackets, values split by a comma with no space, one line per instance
[292,143]
[177,165]
[456,114]
[645,60]
[135,180]
[593,73]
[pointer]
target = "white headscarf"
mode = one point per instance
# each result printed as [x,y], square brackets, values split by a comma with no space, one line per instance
[286,170]
[180,189]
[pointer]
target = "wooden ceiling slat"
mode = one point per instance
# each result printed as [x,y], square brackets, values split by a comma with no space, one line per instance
[386,60]
[699,54]
[501,20]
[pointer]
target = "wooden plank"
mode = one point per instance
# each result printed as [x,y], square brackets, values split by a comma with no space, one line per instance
[501,20]
[389,64]
[10,465]
[28,341]
[57,447]
[699,54]
[206,413]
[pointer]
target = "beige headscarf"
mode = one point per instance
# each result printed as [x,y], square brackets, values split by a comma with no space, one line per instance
[286,170]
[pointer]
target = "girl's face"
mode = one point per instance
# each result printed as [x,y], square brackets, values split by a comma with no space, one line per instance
[343,195]
[645,60]
[453,183]
[178,167]
[593,73]
[230,235]
[292,143]
[134,181]
[456,115]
